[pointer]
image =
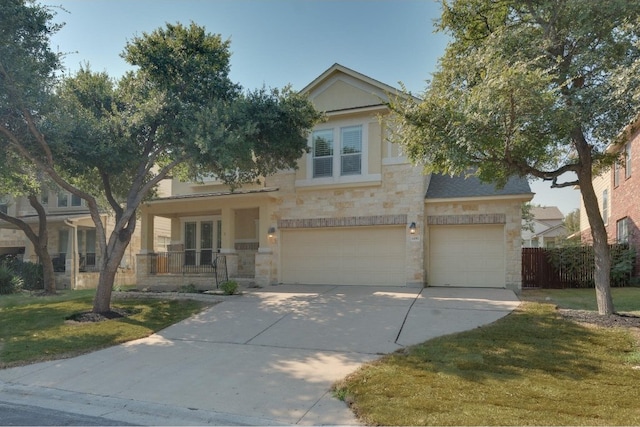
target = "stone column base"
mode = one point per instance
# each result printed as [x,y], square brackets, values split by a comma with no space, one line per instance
[265,274]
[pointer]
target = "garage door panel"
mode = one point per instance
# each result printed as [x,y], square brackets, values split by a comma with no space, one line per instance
[361,255]
[466,255]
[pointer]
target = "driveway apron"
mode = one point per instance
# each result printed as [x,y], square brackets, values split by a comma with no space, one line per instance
[268,357]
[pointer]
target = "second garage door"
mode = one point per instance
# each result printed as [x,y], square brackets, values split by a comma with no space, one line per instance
[467,255]
[344,256]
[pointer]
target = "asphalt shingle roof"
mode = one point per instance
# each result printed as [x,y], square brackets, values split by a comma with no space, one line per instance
[446,186]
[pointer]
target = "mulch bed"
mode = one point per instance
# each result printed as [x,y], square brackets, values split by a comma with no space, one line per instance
[89,316]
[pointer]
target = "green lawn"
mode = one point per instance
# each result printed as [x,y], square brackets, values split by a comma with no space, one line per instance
[529,368]
[34,328]
[624,299]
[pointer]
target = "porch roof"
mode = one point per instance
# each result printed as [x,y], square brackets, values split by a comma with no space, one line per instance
[213,194]
[51,219]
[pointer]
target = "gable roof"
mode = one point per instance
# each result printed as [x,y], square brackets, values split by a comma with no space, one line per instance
[337,69]
[448,187]
[542,213]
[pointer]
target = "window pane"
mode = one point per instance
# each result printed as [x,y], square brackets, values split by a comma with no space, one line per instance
[351,140]
[622,231]
[323,167]
[63,241]
[351,164]
[206,235]
[190,235]
[91,241]
[323,143]
[63,200]
[351,160]
[75,200]
[605,206]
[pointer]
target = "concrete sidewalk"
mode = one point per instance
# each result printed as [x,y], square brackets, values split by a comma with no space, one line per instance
[268,357]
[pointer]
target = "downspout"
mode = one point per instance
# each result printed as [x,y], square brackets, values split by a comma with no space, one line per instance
[74,251]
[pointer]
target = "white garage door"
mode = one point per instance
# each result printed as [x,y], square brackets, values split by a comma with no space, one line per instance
[344,256]
[467,255]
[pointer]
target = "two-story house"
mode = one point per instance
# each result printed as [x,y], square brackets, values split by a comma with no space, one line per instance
[618,189]
[354,212]
[547,228]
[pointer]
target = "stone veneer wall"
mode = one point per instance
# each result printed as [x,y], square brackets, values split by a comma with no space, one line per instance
[506,212]
[400,193]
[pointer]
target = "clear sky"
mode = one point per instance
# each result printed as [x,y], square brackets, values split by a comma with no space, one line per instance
[278,42]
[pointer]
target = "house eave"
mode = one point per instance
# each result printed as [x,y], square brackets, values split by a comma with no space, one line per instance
[217,195]
[514,197]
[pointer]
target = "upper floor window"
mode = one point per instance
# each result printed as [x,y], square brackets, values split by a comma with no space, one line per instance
[622,230]
[627,160]
[323,153]
[605,206]
[351,150]
[64,198]
[348,161]
[616,174]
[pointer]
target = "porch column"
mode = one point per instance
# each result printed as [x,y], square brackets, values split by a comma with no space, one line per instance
[264,273]
[146,233]
[264,224]
[228,240]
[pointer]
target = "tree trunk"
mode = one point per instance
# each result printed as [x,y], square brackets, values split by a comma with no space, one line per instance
[102,300]
[48,275]
[110,264]
[598,229]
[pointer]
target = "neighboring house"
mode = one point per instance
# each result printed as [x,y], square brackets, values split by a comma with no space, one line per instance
[72,239]
[548,228]
[355,212]
[618,189]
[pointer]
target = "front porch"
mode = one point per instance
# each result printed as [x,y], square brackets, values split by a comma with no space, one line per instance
[214,237]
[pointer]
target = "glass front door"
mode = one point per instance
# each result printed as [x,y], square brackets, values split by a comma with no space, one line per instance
[201,240]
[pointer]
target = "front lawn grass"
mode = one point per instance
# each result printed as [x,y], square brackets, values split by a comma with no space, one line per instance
[34,328]
[529,368]
[624,299]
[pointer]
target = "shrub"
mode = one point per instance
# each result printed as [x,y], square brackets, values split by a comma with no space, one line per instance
[32,275]
[188,289]
[230,287]
[10,282]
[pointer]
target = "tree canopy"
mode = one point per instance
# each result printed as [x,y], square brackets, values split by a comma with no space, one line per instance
[530,89]
[177,112]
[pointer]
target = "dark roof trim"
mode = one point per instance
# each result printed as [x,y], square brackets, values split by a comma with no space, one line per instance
[215,194]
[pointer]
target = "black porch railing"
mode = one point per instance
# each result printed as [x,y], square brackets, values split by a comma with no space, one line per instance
[87,262]
[189,262]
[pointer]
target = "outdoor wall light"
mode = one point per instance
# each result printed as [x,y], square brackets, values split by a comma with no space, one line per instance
[412,228]
[271,232]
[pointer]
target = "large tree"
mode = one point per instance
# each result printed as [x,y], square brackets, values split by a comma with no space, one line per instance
[19,179]
[177,112]
[531,88]
[27,78]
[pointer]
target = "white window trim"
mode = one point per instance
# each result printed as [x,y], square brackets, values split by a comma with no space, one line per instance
[336,179]
[198,220]
[628,163]
[622,225]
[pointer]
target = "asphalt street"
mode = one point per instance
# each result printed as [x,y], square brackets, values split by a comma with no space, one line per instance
[12,414]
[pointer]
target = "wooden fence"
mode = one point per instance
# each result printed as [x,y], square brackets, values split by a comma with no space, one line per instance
[575,271]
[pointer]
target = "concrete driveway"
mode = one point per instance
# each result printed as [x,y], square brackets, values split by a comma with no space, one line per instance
[268,357]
